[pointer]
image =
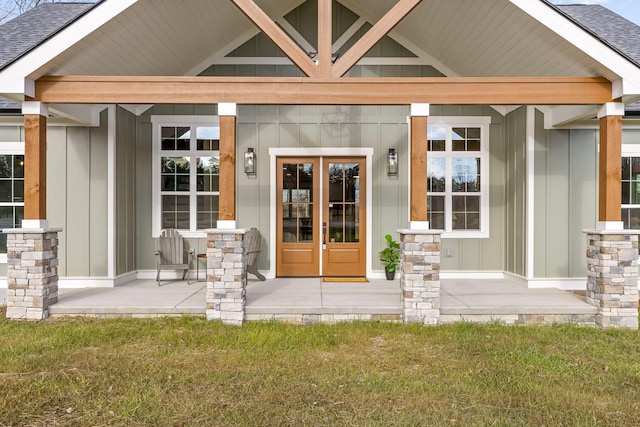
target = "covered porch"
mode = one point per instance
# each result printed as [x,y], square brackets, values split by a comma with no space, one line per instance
[310,300]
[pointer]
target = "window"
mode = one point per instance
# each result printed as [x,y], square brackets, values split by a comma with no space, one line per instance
[458,175]
[186,173]
[631,192]
[11,189]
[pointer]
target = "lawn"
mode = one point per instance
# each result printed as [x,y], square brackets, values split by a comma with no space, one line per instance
[187,371]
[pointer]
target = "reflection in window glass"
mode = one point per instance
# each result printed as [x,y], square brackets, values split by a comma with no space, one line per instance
[631,192]
[297,202]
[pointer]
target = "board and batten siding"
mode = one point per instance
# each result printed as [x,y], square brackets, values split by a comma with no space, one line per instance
[566,189]
[125,196]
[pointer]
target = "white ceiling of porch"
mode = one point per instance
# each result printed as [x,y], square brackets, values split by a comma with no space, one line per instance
[466,37]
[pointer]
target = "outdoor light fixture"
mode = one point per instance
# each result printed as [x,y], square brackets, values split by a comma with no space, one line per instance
[250,162]
[392,162]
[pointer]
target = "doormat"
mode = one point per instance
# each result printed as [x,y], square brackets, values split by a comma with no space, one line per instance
[345,279]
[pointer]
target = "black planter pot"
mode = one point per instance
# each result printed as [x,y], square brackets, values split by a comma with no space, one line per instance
[390,274]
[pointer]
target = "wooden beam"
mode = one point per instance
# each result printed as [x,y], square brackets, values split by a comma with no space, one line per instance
[307,91]
[35,166]
[227,198]
[325,23]
[610,173]
[278,36]
[418,196]
[373,36]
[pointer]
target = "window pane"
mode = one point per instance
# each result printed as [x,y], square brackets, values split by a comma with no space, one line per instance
[208,209]
[336,182]
[465,212]
[336,222]
[175,212]
[630,180]
[465,174]
[208,174]
[5,166]
[631,218]
[351,223]
[175,173]
[18,190]
[18,166]
[175,138]
[436,138]
[208,138]
[436,169]
[352,183]
[436,211]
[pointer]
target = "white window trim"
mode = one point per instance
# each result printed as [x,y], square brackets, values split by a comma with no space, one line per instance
[629,150]
[485,207]
[159,121]
[14,149]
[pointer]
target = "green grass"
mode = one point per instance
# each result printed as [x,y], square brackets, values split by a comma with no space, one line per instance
[188,371]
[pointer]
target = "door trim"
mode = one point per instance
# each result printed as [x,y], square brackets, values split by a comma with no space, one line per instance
[366,152]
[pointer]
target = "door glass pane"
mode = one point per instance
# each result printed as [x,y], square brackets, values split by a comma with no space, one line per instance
[351,223]
[336,182]
[352,182]
[297,202]
[336,222]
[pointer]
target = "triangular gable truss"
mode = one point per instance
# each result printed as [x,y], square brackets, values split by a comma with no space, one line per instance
[416,55]
[326,64]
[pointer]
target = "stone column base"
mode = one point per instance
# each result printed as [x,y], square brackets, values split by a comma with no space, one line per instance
[226,276]
[612,277]
[32,272]
[420,275]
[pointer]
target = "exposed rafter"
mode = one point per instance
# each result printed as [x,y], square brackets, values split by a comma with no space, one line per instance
[373,36]
[278,36]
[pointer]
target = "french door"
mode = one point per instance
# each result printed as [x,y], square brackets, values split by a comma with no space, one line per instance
[321,217]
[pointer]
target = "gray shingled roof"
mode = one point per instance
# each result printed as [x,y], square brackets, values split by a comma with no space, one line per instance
[612,29]
[25,32]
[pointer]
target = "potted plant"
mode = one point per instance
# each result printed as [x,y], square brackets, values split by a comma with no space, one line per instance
[390,257]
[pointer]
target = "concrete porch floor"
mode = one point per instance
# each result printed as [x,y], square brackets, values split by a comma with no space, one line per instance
[480,300]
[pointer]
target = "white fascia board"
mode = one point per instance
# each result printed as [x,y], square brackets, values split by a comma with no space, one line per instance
[18,77]
[82,114]
[585,41]
[555,117]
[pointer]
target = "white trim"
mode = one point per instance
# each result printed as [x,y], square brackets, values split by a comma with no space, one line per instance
[530,192]
[19,76]
[274,153]
[136,109]
[226,224]
[12,148]
[420,110]
[610,225]
[158,121]
[484,123]
[418,225]
[496,275]
[611,109]
[111,185]
[35,224]
[227,109]
[35,107]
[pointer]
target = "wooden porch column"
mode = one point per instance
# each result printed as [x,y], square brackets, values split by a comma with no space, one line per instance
[610,173]
[227,199]
[35,158]
[418,219]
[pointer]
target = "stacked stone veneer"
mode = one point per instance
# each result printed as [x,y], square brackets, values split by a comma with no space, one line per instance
[32,272]
[420,276]
[612,281]
[226,276]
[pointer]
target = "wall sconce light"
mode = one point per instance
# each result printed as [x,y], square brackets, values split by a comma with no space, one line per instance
[250,162]
[392,162]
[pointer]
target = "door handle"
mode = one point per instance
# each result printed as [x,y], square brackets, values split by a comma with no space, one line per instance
[324,235]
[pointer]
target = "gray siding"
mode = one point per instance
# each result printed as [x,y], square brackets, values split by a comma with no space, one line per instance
[77,197]
[565,199]
[125,232]
[515,200]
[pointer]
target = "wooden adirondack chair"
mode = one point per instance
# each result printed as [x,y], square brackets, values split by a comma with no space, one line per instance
[253,246]
[171,253]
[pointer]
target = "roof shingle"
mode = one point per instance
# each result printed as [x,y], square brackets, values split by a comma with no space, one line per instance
[25,32]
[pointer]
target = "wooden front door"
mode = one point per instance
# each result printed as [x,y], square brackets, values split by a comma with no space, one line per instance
[344,248]
[321,217]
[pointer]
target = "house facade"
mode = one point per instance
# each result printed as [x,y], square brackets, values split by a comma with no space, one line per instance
[500,129]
